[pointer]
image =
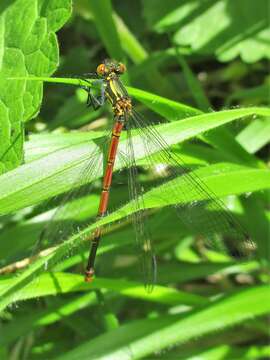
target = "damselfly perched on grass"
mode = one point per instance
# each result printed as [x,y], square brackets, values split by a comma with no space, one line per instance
[198,208]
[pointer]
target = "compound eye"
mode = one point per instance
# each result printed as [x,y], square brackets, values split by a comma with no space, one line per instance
[121,68]
[101,69]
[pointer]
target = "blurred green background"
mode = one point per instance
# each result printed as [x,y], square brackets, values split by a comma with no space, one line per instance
[184,58]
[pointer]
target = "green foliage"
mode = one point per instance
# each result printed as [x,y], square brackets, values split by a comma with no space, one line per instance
[151,335]
[102,13]
[199,65]
[29,186]
[28,47]
[226,28]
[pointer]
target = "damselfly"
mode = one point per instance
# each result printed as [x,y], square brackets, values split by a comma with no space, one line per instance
[197,206]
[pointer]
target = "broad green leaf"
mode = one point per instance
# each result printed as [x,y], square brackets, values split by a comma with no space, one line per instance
[29,184]
[145,337]
[28,46]
[215,25]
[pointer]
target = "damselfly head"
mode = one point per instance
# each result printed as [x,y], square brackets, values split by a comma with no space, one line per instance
[110,66]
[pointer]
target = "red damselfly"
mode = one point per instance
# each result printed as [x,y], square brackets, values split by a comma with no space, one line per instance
[195,215]
[198,208]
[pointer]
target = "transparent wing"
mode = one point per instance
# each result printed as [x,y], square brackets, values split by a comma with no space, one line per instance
[123,89]
[208,218]
[66,218]
[139,218]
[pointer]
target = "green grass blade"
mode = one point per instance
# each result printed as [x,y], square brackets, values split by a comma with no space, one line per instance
[63,283]
[194,85]
[56,80]
[39,145]
[132,47]
[255,135]
[222,179]
[103,18]
[147,336]
[169,109]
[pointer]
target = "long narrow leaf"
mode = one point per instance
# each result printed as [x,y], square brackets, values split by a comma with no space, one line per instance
[255,179]
[148,336]
[29,184]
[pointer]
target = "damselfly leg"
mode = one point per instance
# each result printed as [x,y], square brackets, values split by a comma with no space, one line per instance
[96,101]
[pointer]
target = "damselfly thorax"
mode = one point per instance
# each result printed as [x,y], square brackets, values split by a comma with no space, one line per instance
[117,95]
